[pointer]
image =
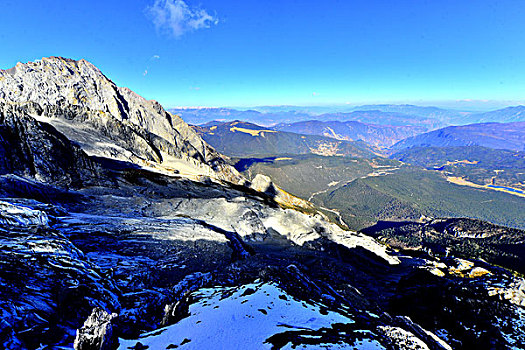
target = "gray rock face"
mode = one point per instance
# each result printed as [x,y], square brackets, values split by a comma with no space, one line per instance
[264,184]
[108,121]
[35,149]
[97,332]
[16,215]
[431,340]
[46,283]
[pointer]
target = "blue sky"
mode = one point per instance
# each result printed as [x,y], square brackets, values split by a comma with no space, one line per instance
[248,53]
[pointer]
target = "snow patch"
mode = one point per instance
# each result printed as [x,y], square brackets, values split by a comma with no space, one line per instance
[238,318]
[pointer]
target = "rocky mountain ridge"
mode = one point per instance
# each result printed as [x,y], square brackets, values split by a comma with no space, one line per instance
[108,121]
[37,150]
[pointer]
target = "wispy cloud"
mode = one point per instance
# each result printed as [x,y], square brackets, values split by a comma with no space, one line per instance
[151,61]
[175,17]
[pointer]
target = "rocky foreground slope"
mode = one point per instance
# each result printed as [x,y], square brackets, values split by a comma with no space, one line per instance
[111,253]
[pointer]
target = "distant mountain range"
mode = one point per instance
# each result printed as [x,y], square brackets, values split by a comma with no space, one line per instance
[443,115]
[505,115]
[377,128]
[378,117]
[199,116]
[420,111]
[492,135]
[451,116]
[382,114]
[377,135]
[243,139]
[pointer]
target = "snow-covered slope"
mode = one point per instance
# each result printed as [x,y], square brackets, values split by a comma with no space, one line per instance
[242,317]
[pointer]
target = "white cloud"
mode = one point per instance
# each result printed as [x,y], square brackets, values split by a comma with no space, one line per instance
[176,17]
[151,60]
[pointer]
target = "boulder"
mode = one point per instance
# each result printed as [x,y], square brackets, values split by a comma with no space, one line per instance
[97,332]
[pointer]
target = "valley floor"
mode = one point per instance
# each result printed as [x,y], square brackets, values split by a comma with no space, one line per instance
[462,182]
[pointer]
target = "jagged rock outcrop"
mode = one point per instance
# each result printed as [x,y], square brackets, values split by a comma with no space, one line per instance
[46,283]
[253,221]
[17,215]
[97,332]
[109,121]
[174,312]
[264,184]
[432,341]
[514,292]
[37,150]
[457,237]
